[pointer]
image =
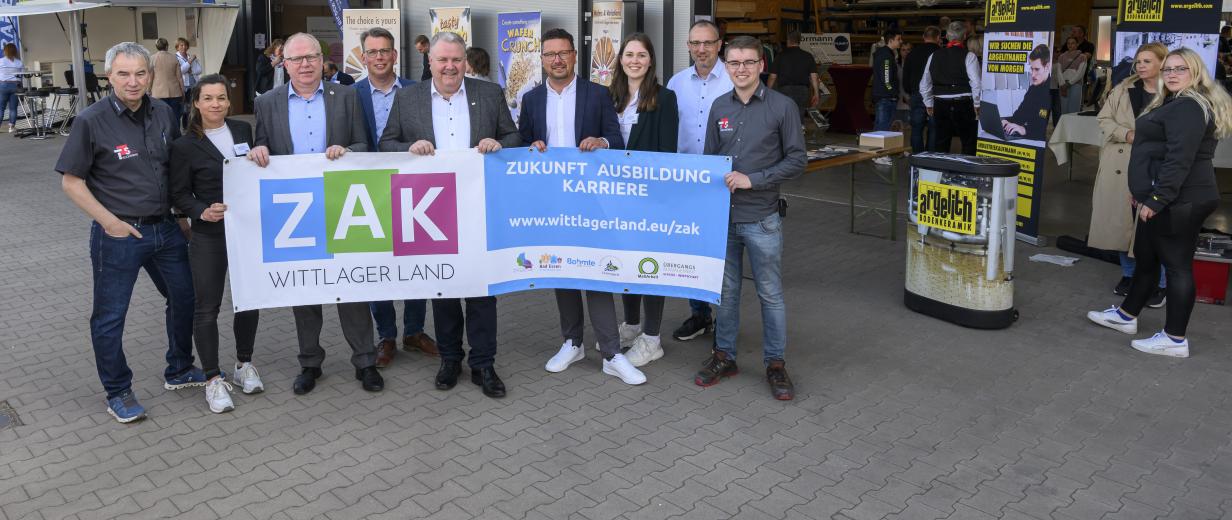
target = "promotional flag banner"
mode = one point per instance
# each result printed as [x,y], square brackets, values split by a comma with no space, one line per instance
[518,53]
[381,226]
[1015,102]
[354,23]
[607,31]
[452,19]
[8,28]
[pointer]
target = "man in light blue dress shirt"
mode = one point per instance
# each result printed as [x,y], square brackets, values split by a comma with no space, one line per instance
[696,89]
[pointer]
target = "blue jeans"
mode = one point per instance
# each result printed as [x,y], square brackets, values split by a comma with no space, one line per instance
[764,242]
[1128,264]
[8,100]
[919,121]
[883,111]
[386,317]
[163,253]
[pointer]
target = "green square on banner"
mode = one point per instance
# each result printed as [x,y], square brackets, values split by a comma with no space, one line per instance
[358,218]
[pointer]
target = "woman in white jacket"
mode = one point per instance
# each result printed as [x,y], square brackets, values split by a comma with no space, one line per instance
[1070,67]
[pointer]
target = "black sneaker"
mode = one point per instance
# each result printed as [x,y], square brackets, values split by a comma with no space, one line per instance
[693,327]
[1159,297]
[716,367]
[780,383]
[1122,287]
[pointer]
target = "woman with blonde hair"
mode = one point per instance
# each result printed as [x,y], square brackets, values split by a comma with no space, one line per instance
[1172,184]
[1112,219]
[270,72]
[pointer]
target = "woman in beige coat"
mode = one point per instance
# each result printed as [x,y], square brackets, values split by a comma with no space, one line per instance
[166,82]
[1112,219]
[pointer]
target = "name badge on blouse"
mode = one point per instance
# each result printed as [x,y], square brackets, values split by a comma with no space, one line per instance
[241,149]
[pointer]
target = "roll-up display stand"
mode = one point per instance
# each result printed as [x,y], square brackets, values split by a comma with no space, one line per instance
[960,239]
[607,23]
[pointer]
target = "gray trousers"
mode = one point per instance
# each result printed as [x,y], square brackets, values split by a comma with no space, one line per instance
[356,322]
[602,318]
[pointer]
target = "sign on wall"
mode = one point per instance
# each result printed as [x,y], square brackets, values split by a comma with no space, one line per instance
[606,33]
[452,19]
[354,23]
[518,37]
[834,48]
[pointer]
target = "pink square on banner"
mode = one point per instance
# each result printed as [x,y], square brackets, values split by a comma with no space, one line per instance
[425,214]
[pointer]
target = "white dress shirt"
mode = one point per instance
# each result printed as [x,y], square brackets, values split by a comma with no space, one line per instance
[451,119]
[973,77]
[694,95]
[561,115]
[628,118]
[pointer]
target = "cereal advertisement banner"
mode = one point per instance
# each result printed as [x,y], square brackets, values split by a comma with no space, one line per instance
[354,23]
[451,19]
[606,33]
[380,226]
[518,55]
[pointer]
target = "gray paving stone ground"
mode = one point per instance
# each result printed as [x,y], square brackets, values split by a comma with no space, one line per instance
[898,415]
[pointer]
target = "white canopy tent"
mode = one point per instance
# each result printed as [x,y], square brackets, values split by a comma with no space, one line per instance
[216,20]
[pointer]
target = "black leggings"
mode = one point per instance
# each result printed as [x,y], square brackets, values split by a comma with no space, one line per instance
[207,256]
[1169,239]
[654,312]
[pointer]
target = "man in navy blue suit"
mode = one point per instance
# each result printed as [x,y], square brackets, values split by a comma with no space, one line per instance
[568,111]
[376,96]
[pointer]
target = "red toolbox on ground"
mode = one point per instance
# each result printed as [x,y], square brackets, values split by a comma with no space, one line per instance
[1211,278]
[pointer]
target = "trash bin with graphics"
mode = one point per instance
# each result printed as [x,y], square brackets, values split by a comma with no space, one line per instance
[960,239]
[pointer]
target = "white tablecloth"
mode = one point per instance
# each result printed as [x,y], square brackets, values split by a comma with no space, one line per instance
[1076,129]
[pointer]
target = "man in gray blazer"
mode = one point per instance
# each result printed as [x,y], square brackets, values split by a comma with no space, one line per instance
[313,116]
[451,112]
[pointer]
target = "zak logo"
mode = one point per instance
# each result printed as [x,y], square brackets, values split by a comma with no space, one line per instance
[1002,11]
[123,152]
[725,125]
[369,211]
[1142,10]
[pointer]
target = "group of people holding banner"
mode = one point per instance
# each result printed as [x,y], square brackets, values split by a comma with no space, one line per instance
[127,167]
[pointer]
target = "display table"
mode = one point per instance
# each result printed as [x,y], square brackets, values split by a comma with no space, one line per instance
[850,82]
[881,178]
[1075,129]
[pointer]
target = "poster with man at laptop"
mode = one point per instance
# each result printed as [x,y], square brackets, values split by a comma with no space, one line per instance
[1015,103]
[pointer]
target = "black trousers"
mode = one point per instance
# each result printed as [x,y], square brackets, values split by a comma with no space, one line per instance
[654,312]
[479,321]
[1169,238]
[955,118]
[207,257]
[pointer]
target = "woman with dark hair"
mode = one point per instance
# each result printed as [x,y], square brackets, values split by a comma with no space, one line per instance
[478,64]
[1172,182]
[10,65]
[196,189]
[1071,67]
[648,122]
[269,68]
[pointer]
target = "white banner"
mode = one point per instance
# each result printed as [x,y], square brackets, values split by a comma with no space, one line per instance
[828,47]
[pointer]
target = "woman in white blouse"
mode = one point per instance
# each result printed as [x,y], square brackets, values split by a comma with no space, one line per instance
[10,65]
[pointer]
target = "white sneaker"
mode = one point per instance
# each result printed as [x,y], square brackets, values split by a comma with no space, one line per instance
[1161,344]
[644,350]
[247,378]
[1112,319]
[620,367]
[629,333]
[217,395]
[567,355]
[11,128]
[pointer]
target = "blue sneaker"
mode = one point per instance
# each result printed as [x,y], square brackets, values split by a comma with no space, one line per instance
[190,378]
[125,408]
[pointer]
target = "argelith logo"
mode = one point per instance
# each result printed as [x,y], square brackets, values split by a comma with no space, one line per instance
[1142,10]
[648,266]
[522,263]
[1003,11]
[363,211]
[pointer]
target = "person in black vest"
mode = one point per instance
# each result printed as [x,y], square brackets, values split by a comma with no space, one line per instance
[951,91]
[913,72]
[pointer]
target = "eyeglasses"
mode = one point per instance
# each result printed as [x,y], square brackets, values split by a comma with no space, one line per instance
[311,58]
[372,53]
[1174,70]
[748,64]
[552,56]
[703,43]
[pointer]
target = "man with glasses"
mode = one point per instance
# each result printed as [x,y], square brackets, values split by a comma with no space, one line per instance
[696,89]
[568,111]
[314,116]
[760,129]
[376,95]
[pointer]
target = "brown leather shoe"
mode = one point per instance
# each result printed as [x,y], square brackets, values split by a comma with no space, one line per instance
[780,382]
[385,351]
[421,342]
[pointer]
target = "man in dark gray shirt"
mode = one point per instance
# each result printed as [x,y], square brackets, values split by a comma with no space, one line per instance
[760,129]
[114,167]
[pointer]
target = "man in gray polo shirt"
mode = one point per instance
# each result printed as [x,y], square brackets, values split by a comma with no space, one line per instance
[760,129]
[114,167]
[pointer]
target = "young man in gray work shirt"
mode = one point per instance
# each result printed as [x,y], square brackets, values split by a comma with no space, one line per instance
[760,129]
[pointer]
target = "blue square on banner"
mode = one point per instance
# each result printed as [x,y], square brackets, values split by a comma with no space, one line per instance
[293,220]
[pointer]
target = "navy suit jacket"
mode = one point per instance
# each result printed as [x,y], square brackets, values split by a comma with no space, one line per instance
[363,87]
[595,116]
